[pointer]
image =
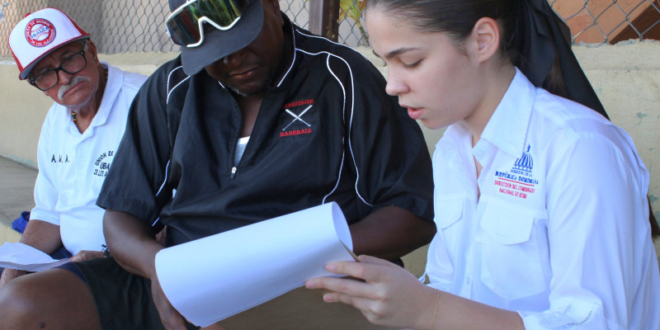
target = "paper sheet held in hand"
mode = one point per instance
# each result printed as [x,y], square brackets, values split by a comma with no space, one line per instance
[216,277]
[24,257]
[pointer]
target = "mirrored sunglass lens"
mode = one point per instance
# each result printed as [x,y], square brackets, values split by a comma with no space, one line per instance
[184,26]
[221,12]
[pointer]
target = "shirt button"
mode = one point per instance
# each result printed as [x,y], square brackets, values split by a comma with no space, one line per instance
[466,292]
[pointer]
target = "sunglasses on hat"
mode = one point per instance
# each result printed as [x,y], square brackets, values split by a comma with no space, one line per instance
[185,23]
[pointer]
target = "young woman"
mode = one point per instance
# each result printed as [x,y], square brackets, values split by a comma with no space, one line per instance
[540,201]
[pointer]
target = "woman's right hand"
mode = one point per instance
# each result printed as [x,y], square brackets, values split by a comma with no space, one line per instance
[389,296]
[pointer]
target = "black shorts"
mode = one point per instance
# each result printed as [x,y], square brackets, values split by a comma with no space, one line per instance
[123,300]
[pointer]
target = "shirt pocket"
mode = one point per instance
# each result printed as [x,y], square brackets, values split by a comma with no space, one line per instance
[447,211]
[511,264]
[442,251]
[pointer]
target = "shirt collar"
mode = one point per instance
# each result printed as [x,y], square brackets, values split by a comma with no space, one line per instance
[289,26]
[507,127]
[112,89]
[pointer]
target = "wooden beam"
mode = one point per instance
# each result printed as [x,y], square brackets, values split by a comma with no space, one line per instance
[644,22]
[323,15]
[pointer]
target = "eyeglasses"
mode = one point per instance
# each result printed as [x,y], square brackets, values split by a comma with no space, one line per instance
[185,23]
[49,78]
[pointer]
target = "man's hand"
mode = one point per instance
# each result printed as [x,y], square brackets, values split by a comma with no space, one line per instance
[40,235]
[161,236]
[86,255]
[134,247]
[169,316]
[10,274]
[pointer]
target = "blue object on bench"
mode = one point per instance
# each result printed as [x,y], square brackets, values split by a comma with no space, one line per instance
[21,222]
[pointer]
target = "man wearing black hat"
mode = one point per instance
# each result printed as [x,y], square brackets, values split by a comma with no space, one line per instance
[257,118]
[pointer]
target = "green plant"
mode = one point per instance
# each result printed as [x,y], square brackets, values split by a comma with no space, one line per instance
[354,9]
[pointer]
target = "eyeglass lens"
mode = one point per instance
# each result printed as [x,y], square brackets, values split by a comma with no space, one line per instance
[72,64]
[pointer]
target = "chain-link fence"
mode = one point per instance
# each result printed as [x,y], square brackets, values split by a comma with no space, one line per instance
[115,26]
[610,21]
[591,21]
[137,26]
[119,26]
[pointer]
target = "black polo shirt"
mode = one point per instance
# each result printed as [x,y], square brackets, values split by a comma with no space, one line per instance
[326,131]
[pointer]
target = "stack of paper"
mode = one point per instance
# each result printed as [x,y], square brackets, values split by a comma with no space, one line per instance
[24,257]
[213,278]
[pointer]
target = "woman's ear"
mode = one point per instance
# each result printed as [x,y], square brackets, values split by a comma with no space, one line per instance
[484,40]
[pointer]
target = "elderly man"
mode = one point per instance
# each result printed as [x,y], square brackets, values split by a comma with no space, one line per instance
[257,118]
[80,135]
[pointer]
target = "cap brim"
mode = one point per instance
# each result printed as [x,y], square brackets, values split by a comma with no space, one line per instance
[218,44]
[23,75]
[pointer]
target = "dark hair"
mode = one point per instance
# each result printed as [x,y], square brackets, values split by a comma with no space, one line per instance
[455,17]
[655,228]
[458,18]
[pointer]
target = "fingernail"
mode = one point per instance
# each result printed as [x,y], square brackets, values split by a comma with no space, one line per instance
[331,267]
[310,284]
[328,298]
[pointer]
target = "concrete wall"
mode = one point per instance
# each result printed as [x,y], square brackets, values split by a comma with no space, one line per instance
[625,76]
[23,107]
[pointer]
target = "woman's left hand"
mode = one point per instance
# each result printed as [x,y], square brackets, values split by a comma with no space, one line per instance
[390,296]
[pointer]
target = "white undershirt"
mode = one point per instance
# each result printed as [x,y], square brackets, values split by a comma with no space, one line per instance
[240,149]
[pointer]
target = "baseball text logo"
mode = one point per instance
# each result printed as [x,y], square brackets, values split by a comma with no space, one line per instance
[39,32]
[302,126]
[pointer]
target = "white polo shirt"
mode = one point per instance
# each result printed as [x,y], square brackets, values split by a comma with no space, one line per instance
[560,232]
[72,166]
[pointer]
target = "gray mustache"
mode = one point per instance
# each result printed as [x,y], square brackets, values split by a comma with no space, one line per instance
[74,81]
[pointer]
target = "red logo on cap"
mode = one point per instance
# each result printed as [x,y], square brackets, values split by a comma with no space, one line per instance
[39,32]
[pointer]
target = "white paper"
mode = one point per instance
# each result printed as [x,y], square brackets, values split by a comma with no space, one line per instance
[213,278]
[24,257]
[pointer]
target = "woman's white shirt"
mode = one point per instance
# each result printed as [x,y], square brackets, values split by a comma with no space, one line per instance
[559,231]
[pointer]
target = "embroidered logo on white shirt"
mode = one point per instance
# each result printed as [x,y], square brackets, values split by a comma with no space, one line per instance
[60,159]
[103,164]
[519,181]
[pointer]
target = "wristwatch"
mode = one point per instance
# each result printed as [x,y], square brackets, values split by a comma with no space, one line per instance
[106,252]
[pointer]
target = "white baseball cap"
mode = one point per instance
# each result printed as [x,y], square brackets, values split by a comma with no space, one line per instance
[39,34]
